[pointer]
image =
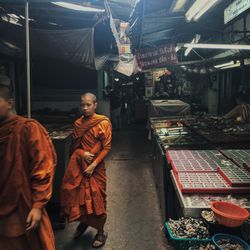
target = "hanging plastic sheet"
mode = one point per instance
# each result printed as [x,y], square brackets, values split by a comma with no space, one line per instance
[76,46]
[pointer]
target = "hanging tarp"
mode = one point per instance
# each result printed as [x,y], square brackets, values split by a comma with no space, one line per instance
[75,46]
[39,1]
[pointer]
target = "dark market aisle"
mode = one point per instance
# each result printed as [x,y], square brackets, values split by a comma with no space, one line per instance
[134,221]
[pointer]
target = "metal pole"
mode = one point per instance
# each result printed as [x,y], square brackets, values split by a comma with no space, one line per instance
[28,58]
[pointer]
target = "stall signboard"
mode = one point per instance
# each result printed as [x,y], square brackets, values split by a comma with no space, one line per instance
[157,57]
[235,9]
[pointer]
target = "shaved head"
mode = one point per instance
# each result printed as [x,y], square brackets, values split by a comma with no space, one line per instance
[5,92]
[6,102]
[88,104]
[90,95]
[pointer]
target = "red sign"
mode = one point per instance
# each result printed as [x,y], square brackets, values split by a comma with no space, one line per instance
[157,57]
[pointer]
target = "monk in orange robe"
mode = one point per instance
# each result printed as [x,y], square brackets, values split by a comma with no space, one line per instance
[27,163]
[83,194]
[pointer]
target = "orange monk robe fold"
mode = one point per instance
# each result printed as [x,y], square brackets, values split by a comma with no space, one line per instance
[84,198]
[27,165]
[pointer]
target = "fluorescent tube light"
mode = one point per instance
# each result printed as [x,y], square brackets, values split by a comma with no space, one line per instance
[205,9]
[228,65]
[236,65]
[195,8]
[178,6]
[224,65]
[195,40]
[216,46]
[77,7]
[199,8]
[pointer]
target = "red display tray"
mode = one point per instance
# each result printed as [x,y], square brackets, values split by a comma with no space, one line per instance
[235,176]
[206,183]
[240,157]
[194,160]
[193,165]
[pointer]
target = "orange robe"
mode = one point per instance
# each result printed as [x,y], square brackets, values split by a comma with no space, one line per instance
[84,198]
[27,164]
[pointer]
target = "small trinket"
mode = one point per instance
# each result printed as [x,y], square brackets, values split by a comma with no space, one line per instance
[227,244]
[208,216]
[209,246]
[189,228]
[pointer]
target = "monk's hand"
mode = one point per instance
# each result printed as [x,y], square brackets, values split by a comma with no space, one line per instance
[89,157]
[33,219]
[90,169]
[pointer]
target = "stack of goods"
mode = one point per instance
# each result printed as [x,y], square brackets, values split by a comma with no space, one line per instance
[188,228]
[208,246]
[229,245]
[217,130]
[207,171]
[229,242]
[188,232]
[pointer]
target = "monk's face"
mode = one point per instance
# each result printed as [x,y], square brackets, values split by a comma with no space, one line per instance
[88,105]
[5,108]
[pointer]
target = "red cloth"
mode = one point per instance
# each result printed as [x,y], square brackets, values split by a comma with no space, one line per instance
[27,161]
[83,198]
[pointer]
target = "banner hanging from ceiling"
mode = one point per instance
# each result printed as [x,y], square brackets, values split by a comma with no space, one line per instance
[157,57]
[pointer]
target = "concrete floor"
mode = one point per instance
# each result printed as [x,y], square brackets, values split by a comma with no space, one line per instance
[134,220]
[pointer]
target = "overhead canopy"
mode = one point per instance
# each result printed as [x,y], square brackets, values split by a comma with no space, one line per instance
[43,1]
[154,23]
[80,37]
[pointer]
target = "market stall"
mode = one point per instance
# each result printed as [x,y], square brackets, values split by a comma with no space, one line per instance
[180,150]
[62,142]
[159,108]
[192,171]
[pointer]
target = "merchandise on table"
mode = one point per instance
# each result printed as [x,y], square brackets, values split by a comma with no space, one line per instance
[240,156]
[195,160]
[236,176]
[158,124]
[208,246]
[189,228]
[229,242]
[171,132]
[191,205]
[60,134]
[204,171]
[208,216]
[202,182]
[204,200]
[217,130]
[206,182]
[178,137]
